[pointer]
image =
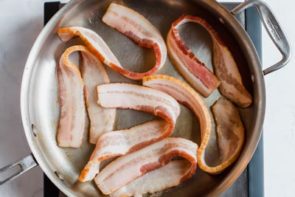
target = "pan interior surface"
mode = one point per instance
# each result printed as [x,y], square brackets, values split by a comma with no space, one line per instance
[64,164]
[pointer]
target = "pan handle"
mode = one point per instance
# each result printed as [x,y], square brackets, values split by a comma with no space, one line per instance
[16,169]
[274,30]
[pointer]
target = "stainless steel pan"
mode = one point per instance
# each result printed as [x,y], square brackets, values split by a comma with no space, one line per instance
[39,103]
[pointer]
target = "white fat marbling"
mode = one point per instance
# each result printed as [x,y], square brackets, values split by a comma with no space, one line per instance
[21,21]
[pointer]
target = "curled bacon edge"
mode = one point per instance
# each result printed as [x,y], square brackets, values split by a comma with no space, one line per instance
[192,69]
[93,73]
[184,94]
[121,175]
[130,23]
[70,82]
[225,66]
[72,118]
[117,143]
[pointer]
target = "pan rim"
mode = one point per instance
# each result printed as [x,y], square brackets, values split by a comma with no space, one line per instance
[24,101]
[241,164]
[237,30]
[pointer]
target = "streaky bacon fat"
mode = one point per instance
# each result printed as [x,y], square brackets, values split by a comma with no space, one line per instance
[138,29]
[101,119]
[225,66]
[130,23]
[117,143]
[136,97]
[71,84]
[129,96]
[126,169]
[165,177]
[192,69]
[72,118]
[183,93]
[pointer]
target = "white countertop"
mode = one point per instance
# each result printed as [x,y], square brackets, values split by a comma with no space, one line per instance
[21,21]
[279,125]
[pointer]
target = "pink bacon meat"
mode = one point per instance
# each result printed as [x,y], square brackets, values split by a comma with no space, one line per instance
[93,74]
[225,66]
[165,177]
[195,71]
[101,120]
[136,97]
[120,174]
[117,143]
[183,93]
[71,99]
[128,96]
[130,23]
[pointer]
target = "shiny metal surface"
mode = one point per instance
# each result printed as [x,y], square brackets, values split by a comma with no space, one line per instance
[274,30]
[39,103]
[18,168]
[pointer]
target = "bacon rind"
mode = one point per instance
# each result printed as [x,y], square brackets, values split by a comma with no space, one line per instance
[146,36]
[127,168]
[117,143]
[71,99]
[183,93]
[195,71]
[101,120]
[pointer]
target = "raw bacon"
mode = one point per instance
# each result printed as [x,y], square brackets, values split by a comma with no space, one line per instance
[165,177]
[224,117]
[71,99]
[130,23]
[183,93]
[117,143]
[225,66]
[128,168]
[195,71]
[101,120]
[136,97]
[71,85]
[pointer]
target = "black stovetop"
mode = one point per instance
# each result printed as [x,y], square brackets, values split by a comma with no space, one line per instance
[250,183]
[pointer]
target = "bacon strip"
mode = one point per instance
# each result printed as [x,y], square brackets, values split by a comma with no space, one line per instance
[138,29]
[227,71]
[71,99]
[225,66]
[160,179]
[195,71]
[183,93]
[230,131]
[71,85]
[93,73]
[117,143]
[128,96]
[130,23]
[127,168]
